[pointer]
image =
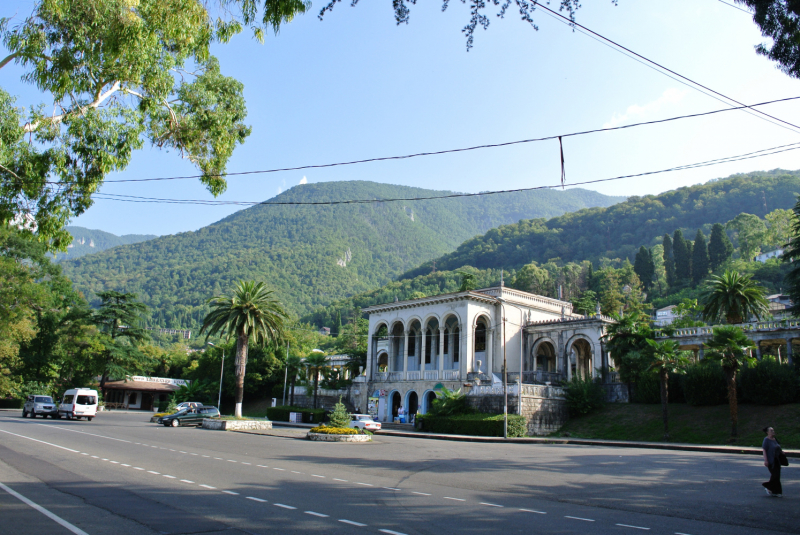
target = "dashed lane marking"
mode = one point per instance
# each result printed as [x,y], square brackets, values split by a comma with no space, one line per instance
[154,472]
[256,499]
[633,527]
[230,492]
[208,487]
[296,472]
[390,532]
[284,506]
[262,466]
[103,459]
[315,475]
[170,477]
[114,462]
[337,479]
[137,468]
[279,469]
[95,457]
[45,512]
[84,453]
[491,504]
[207,456]
[390,488]
[126,465]
[231,461]
[456,499]
[359,524]
[312,513]
[532,511]
[218,458]
[579,518]
[245,463]
[364,484]
[187,481]
[420,493]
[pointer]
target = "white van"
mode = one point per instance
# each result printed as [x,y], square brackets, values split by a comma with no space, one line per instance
[78,403]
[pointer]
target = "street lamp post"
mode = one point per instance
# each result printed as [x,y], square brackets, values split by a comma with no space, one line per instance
[221,371]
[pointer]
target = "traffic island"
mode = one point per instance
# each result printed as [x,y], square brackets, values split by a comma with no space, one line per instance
[337,434]
[236,425]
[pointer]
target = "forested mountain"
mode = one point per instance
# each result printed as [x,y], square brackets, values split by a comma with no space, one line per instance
[311,254]
[87,241]
[618,231]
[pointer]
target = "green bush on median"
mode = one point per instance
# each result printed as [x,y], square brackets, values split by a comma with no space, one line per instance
[483,425]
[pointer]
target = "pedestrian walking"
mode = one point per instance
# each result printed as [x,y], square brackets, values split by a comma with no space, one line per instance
[401,413]
[772,449]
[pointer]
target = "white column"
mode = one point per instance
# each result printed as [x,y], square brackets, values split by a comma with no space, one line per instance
[440,357]
[489,352]
[370,356]
[422,354]
[405,355]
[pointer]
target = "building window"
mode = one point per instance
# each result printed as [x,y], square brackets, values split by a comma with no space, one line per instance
[428,346]
[480,337]
[132,399]
[446,342]
[456,344]
[412,344]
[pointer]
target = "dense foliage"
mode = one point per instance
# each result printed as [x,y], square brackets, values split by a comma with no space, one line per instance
[88,241]
[485,425]
[584,396]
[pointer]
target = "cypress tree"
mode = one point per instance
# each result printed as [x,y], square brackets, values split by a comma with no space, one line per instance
[669,261]
[700,260]
[680,250]
[720,248]
[644,267]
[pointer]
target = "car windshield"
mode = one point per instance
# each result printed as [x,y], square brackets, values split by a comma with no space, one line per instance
[44,399]
[362,417]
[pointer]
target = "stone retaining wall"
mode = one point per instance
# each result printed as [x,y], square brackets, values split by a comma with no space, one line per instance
[544,407]
[235,425]
[322,437]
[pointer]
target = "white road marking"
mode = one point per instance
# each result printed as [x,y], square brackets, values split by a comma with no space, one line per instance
[420,493]
[218,458]
[456,499]
[365,484]
[103,459]
[230,492]
[284,506]
[532,511]
[231,461]
[114,462]
[579,518]
[179,451]
[208,486]
[84,453]
[245,463]
[45,512]
[154,446]
[634,527]
[315,475]
[390,532]
[491,504]
[316,514]
[192,454]
[359,524]
[281,469]
[144,444]
[138,443]
[95,457]
[127,465]
[256,499]
[85,433]
[152,472]
[207,456]
[678,533]
[390,488]
[296,472]
[262,466]
[171,450]
[337,479]
[187,481]
[170,477]
[137,468]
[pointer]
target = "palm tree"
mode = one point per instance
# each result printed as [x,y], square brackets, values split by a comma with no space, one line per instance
[293,365]
[251,314]
[626,340]
[731,347]
[734,296]
[667,358]
[316,362]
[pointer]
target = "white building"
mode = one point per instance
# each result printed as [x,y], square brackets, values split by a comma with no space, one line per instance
[763,257]
[665,316]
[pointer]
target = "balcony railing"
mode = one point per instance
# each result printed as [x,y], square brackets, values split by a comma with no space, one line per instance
[431,375]
[450,375]
[413,376]
[542,377]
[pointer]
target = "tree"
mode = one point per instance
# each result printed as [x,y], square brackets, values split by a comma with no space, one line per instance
[293,367]
[353,343]
[720,248]
[340,417]
[750,231]
[626,342]
[586,304]
[115,73]
[316,364]
[250,314]
[667,358]
[700,260]
[779,228]
[687,312]
[467,281]
[733,296]
[644,267]
[683,259]
[777,20]
[118,318]
[792,255]
[534,279]
[669,261]
[731,347]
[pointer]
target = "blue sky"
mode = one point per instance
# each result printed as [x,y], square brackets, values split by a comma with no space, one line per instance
[357,86]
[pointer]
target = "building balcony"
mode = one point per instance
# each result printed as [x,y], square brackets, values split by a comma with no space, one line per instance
[417,375]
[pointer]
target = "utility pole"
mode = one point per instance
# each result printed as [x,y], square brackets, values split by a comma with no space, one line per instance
[286,373]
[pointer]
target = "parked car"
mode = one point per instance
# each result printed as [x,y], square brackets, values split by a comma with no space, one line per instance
[78,403]
[189,416]
[364,421]
[43,406]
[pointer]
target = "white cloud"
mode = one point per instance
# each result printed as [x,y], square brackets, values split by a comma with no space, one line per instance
[283,185]
[304,181]
[670,96]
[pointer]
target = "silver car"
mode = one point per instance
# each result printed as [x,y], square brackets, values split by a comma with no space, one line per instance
[43,406]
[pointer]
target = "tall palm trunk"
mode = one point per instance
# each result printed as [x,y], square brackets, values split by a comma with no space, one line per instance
[240,366]
[730,375]
[291,392]
[316,386]
[665,402]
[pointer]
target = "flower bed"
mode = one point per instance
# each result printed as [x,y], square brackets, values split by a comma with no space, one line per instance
[337,434]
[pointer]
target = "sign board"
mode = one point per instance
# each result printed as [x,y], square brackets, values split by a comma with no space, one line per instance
[372,408]
[296,417]
[163,380]
[438,386]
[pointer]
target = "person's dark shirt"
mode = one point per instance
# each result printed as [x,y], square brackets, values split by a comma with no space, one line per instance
[771,447]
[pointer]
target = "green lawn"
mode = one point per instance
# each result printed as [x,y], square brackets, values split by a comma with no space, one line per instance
[687,424]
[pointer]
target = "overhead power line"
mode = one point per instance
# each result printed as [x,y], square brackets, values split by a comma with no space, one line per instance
[574,24]
[734,6]
[452,151]
[707,163]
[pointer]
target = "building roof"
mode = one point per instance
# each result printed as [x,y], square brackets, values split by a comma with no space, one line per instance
[141,385]
[670,307]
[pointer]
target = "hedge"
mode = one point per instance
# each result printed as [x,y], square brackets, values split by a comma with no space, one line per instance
[768,383]
[484,425]
[704,384]
[584,396]
[310,416]
[648,389]
[11,403]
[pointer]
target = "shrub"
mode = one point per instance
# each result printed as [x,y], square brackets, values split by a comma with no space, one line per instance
[11,403]
[584,396]
[340,417]
[485,425]
[334,430]
[648,389]
[310,416]
[449,403]
[704,384]
[768,383]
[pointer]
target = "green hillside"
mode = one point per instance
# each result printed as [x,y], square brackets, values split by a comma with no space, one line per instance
[618,231]
[312,255]
[89,241]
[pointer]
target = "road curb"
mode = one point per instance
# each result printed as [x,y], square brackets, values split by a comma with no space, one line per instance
[589,442]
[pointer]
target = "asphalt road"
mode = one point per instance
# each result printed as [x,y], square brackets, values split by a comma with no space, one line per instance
[120,475]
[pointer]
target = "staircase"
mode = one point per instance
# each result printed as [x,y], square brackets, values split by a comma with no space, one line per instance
[389,426]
